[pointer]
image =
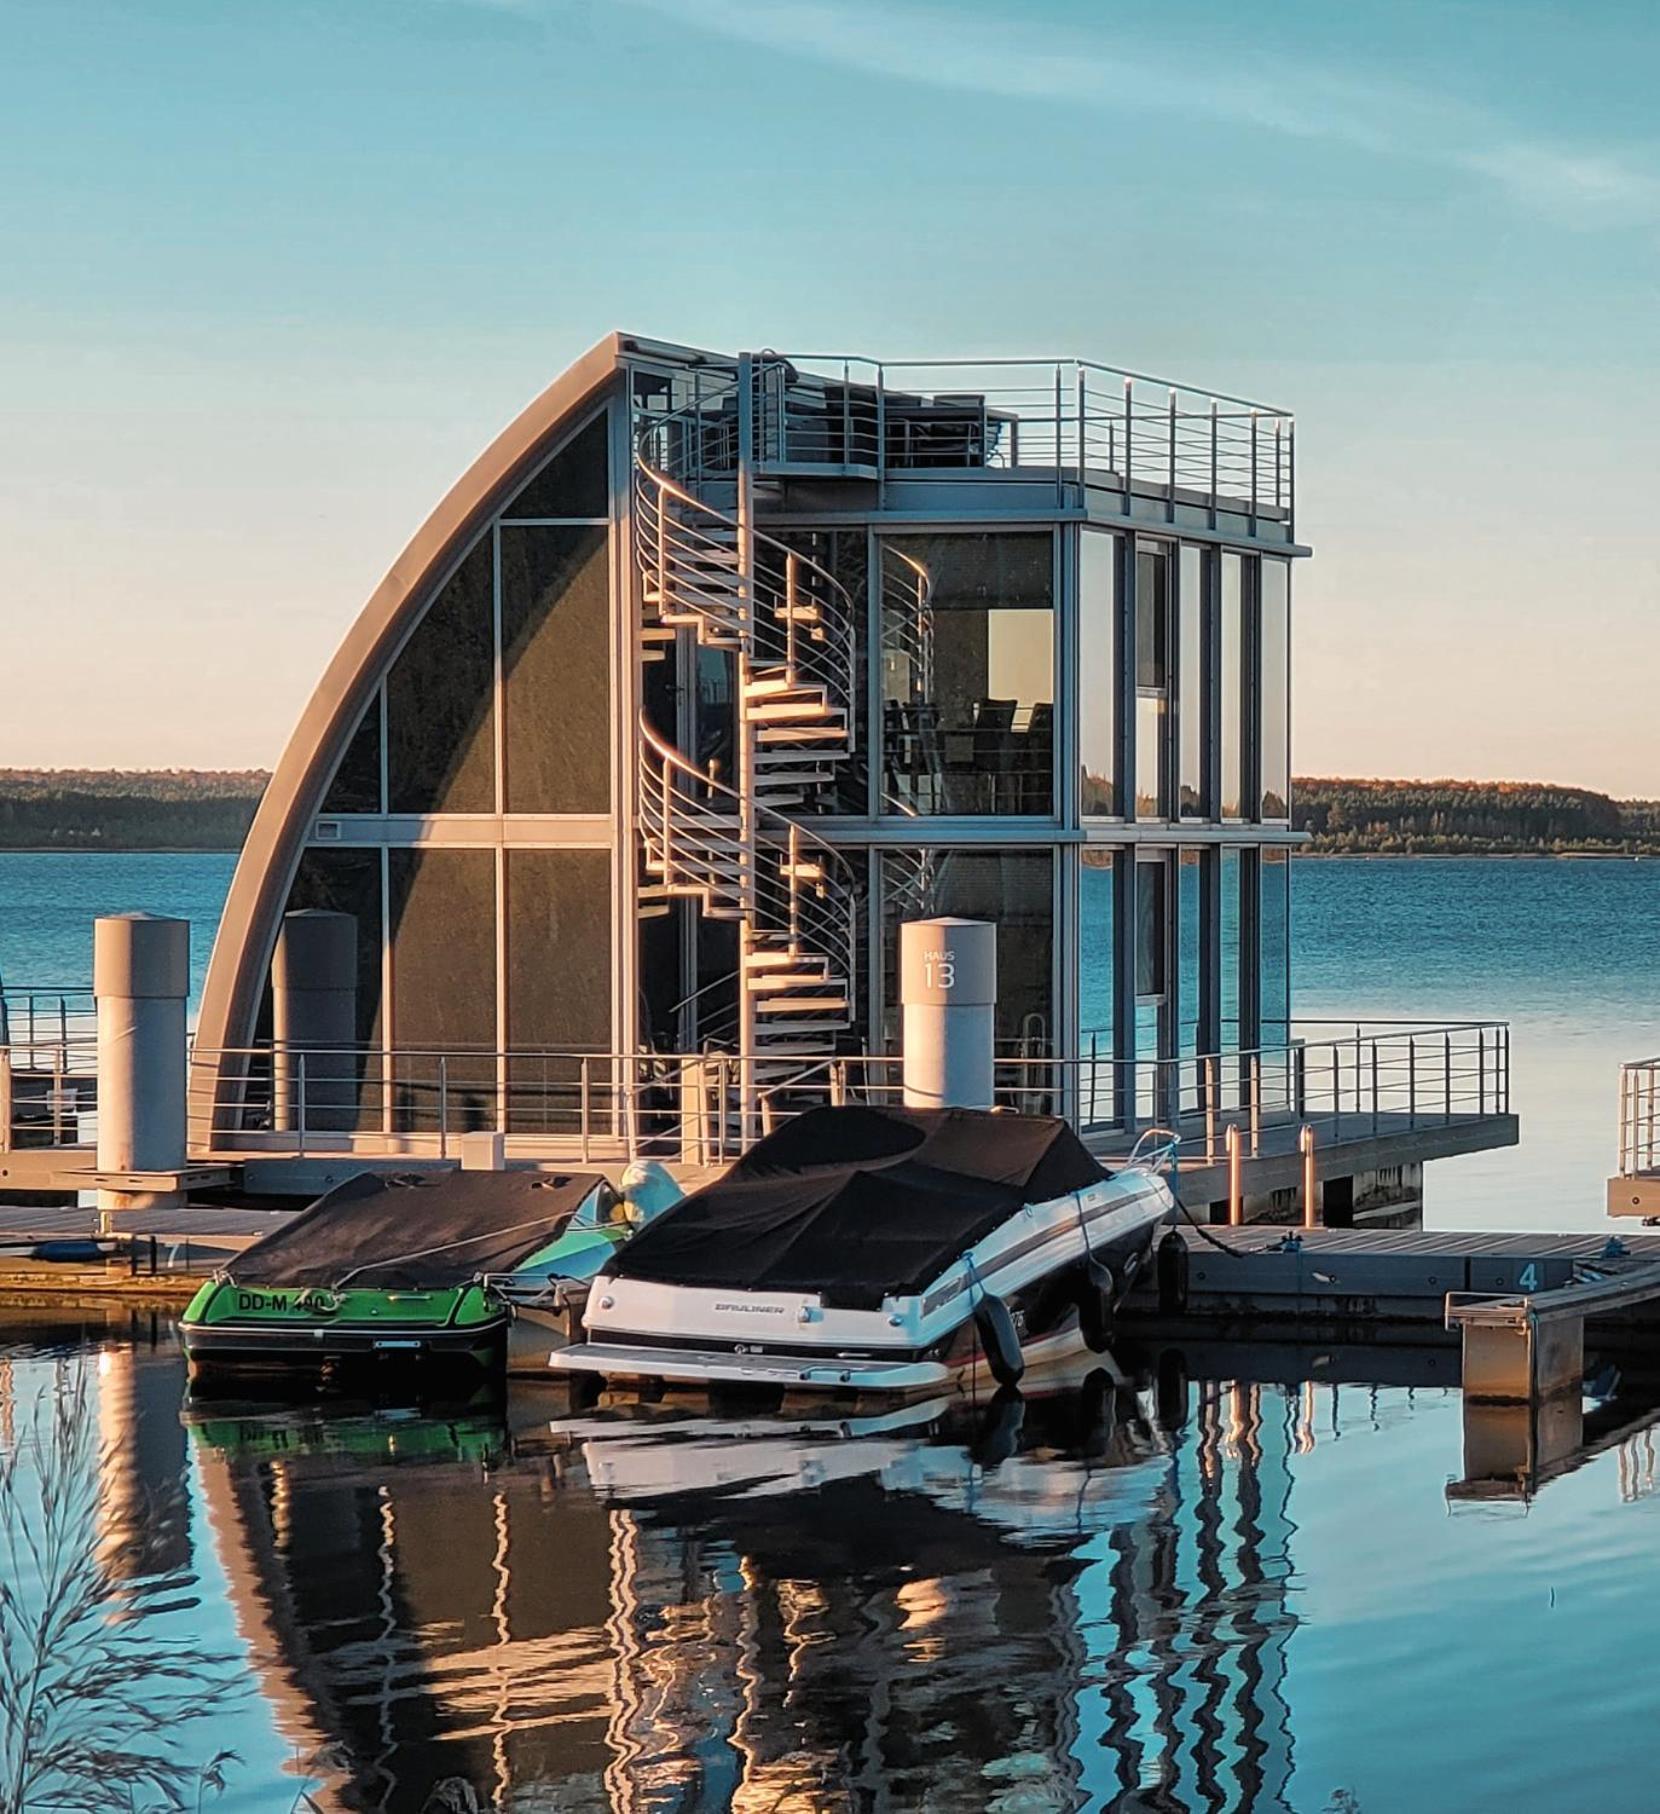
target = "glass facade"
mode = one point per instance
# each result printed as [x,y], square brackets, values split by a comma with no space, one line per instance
[1274,689]
[1097,983]
[559,979]
[968,679]
[1274,947]
[1098,615]
[556,668]
[1192,692]
[1152,683]
[441,697]
[1230,682]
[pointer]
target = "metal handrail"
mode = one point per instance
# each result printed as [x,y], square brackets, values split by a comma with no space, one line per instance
[1639,1135]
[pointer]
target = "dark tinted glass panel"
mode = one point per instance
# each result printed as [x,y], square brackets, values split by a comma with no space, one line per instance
[556,669]
[1014,890]
[1231,683]
[1189,930]
[442,914]
[968,661]
[1152,619]
[1097,675]
[1192,702]
[1274,642]
[1274,944]
[345,881]
[1097,958]
[558,984]
[575,482]
[1152,677]
[439,715]
[1150,928]
[356,784]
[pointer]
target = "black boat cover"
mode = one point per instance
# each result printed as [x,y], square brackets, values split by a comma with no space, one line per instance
[416,1232]
[859,1204]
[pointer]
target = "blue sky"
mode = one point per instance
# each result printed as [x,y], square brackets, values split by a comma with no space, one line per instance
[273,275]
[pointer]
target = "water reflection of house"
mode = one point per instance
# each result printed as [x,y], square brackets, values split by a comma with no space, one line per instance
[648,1623]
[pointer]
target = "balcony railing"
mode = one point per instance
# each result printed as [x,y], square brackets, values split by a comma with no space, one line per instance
[1640,1118]
[704,1108]
[48,1066]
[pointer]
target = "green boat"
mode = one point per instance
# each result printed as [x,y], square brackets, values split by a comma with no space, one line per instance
[424,1268]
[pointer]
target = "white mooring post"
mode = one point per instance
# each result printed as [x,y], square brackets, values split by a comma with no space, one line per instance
[948,990]
[141,979]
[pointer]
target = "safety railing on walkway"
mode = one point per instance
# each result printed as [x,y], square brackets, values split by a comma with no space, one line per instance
[1640,1117]
[48,1066]
[1367,1079]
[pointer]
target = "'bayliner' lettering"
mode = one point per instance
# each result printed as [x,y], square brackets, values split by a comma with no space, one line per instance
[754,1309]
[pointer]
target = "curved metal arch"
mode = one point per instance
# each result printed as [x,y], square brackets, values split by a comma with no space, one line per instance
[293,798]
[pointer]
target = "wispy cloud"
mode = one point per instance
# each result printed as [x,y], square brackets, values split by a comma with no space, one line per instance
[951,49]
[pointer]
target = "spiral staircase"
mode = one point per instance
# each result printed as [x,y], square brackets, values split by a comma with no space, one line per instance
[738,845]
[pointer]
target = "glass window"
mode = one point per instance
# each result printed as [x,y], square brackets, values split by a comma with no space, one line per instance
[1015,890]
[1232,933]
[1192,703]
[1232,684]
[1274,641]
[1097,978]
[442,919]
[831,576]
[356,784]
[968,662]
[1098,675]
[575,482]
[440,694]
[558,984]
[556,669]
[1150,924]
[1152,987]
[1189,931]
[1152,683]
[1274,946]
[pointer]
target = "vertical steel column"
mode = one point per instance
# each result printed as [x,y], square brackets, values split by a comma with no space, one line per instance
[744,735]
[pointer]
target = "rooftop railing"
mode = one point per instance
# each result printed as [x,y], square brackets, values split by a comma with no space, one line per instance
[1054,422]
[48,1066]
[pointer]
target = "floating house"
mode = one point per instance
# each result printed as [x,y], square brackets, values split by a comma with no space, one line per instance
[710,673]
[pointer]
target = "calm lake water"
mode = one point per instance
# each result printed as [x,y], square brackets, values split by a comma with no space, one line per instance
[1219,1580]
[1568,952]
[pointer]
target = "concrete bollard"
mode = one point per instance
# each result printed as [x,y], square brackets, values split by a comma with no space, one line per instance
[314,1022]
[948,991]
[141,979]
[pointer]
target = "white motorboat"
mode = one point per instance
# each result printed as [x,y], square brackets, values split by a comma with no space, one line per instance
[879,1250]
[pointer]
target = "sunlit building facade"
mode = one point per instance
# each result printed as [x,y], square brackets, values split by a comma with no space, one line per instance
[710,672]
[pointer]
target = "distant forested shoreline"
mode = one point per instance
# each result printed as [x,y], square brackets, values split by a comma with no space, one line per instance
[127,809]
[211,809]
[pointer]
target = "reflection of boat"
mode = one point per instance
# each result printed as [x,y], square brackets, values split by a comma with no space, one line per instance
[858,1249]
[389,1268]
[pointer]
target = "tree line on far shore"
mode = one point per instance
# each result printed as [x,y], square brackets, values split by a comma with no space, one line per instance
[211,809]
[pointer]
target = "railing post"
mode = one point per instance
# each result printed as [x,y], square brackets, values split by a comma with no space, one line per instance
[1129,442]
[1210,1109]
[60,1096]
[1374,1086]
[1305,1145]
[443,1105]
[1170,499]
[1446,1066]
[5,1099]
[1253,472]
[584,1097]
[300,1105]
[1215,474]
[1060,464]
[1481,1070]
[1412,1079]
[1083,432]
[1256,1103]
[881,440]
